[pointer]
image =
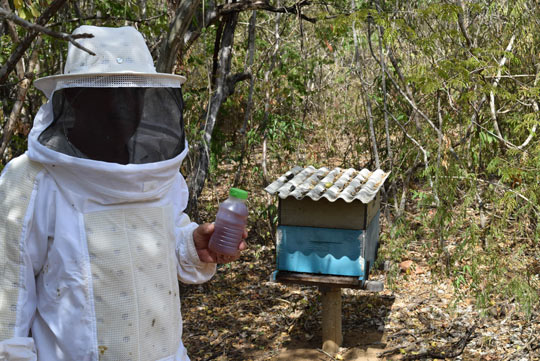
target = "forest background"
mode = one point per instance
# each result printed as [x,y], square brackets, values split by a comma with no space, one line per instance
[443,94]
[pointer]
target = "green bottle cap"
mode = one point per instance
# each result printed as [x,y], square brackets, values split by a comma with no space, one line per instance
[238,193]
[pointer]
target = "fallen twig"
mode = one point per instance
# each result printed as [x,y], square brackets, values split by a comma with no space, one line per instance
[528,347]
[402,332]
[327,354]
[398,349]
[451,351]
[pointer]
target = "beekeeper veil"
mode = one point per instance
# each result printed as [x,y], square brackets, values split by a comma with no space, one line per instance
[114,106]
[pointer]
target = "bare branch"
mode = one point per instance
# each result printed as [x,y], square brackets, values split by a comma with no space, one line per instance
[536,108]
[493,109]
[38,28]
[264,5]
[12,30]
[17,54]
[492,93]
[107,18]
[223,86]
[412,103]
[462,25]
[174,40]
[22,91]
[232,80]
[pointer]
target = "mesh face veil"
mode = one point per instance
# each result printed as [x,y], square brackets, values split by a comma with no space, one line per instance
[117,124]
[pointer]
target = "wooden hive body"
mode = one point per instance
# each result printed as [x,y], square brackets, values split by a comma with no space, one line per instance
[330,238]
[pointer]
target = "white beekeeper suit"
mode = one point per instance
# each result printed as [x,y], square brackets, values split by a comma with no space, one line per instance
[90,249]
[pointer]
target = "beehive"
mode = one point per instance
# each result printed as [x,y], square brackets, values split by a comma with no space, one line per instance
[328,220]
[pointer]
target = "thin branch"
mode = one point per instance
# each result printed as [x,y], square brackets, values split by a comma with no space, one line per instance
[422,114]
[18,53]
[22,91]
[536,108]
[497,133]
[531,135]
[462,25]
[264,5]
[510,76]
[498,184]
[489,131]
[371,125]
[370,33]
[415,142]
[38,28]
[326,354]
[106,17]
[492,93]
[12,30]
[426,159]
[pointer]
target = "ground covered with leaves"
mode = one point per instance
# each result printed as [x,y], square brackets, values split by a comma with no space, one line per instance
[242,315]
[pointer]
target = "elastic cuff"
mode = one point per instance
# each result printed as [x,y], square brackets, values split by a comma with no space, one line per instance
[190,245]
[18,348]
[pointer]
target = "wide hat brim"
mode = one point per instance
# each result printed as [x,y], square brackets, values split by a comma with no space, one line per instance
[51,83]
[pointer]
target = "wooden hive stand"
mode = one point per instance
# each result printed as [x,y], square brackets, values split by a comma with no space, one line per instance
[330,288]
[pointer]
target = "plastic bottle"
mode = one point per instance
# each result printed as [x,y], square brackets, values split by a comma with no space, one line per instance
[230,223]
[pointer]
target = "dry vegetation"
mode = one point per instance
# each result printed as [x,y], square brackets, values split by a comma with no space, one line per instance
[444,94]
[242,315]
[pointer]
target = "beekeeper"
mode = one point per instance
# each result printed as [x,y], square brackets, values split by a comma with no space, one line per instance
[92,230]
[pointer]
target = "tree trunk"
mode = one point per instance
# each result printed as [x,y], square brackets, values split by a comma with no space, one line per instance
[174,41]
[371,124]
[224,87]
[367,102]
[249,63]
[389,153]
[267,99]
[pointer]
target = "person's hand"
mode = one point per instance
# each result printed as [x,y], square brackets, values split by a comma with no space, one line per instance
[201,238]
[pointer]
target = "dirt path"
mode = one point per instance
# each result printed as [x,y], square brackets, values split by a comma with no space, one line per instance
[357,346]
[423,321]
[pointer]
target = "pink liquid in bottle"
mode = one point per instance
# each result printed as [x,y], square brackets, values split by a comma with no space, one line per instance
[230,223]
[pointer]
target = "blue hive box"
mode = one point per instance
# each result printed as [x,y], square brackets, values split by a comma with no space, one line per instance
[330,251]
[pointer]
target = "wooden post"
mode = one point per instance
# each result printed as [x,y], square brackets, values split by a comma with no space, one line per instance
[331,319]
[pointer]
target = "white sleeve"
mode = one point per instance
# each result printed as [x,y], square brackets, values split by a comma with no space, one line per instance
[23,239]
[190,268]
[18,349]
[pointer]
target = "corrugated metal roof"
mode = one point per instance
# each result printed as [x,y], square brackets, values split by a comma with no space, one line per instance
[347,184]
